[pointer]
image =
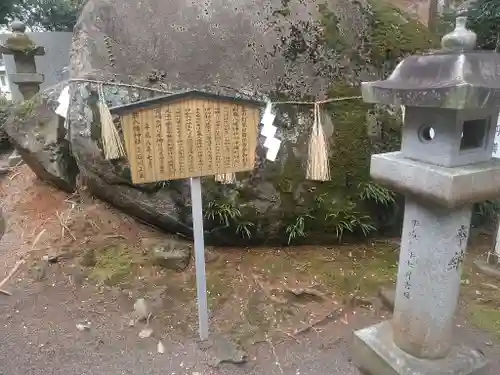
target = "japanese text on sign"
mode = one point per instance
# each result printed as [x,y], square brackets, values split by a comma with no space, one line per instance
[190,138]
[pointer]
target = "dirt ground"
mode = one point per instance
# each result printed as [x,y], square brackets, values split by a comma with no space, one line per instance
[292,310]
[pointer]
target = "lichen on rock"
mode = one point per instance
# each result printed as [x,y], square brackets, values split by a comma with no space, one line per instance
[20,43]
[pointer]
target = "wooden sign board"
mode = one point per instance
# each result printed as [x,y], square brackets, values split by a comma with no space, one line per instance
[192,134]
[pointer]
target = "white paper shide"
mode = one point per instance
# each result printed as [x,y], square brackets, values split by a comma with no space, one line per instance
[62,109]
[268,131]
[496,151]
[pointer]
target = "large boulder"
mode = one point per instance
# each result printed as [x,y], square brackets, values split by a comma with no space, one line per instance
[280,49]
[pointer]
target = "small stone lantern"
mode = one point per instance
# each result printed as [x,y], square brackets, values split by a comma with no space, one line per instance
[24,51]
[444,166]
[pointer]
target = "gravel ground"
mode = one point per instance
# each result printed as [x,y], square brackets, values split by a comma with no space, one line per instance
[39,336]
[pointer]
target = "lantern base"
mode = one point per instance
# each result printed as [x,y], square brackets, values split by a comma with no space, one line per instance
[376,354]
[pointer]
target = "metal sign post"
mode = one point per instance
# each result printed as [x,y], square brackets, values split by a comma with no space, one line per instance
[496,154]
[199,254]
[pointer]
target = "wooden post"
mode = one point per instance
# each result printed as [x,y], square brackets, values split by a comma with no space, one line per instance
[24,51]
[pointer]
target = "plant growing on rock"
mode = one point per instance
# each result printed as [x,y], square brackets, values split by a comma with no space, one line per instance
[28,108]
[370,191]
[350,220]
[224,213]
[297,229]
[244,229]
[226,216]
[333,217]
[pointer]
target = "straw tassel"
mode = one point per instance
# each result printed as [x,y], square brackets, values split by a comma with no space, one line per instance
[317,164]
[225,178]
[111,142]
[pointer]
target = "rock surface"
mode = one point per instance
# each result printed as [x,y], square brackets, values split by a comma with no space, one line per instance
[224,350]
[15,159]
[141,310]
[241,44]
[39,136]
[170,254]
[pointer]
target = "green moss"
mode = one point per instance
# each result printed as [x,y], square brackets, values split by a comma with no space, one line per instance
[344,210]
[351,149]
[395,35]
[344,207]
[28,108]
[20,43]
[337,208]
[113,265]
[287,178]
[487,318]
[332,37]
[358,269]
[4,107]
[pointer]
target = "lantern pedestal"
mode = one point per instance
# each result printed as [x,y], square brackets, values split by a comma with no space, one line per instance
[378,355]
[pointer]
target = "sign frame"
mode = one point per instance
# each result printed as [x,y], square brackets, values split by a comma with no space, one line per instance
[189,134]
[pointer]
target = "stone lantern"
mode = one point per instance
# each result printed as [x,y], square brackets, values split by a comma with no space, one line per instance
[24,51]
[445,165]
